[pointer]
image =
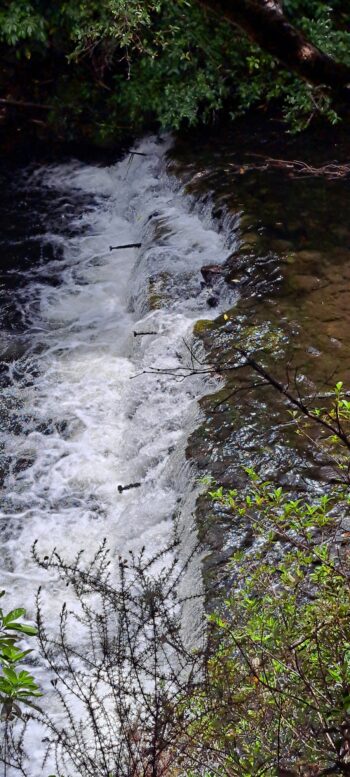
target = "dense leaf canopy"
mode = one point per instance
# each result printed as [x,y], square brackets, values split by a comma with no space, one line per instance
[111,66]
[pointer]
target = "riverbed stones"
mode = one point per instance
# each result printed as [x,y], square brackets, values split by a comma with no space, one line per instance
[211,272]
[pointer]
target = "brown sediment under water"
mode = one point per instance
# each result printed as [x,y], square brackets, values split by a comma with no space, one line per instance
[292,270]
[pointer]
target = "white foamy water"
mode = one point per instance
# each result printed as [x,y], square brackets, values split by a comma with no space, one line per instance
[82,423]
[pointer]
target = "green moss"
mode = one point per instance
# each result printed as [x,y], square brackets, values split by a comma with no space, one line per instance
[202,326]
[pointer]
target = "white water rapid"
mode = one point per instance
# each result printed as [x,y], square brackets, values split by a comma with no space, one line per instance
[81,425]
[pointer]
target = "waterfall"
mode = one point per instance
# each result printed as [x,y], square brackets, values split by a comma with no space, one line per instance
[82,414]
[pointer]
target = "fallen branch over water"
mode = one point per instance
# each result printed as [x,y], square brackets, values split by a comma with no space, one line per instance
[330,424]
[22,104]
[128,487]
[143,334]
[296,168]
[127,245]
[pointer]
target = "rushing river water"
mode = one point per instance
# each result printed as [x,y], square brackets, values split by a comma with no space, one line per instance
[76,422]
[81,416]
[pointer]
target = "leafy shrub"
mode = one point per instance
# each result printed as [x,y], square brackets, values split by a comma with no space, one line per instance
[277,695]
[17,686]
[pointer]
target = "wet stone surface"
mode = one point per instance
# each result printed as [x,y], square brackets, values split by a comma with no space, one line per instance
[292,271]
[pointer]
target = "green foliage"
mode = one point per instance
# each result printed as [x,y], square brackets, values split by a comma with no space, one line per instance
[277,694]
[119,64]
[17,686]
[21,21]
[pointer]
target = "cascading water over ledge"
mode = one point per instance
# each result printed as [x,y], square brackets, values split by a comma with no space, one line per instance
[75,425]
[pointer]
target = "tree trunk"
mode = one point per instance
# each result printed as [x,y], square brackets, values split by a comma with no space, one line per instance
[265,23]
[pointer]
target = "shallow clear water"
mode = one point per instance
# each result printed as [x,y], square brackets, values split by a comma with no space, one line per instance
[290,266]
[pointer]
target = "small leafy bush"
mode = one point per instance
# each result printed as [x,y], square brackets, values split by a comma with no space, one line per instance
[17,685]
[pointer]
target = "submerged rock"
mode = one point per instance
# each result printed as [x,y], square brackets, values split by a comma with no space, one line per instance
[211,271]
